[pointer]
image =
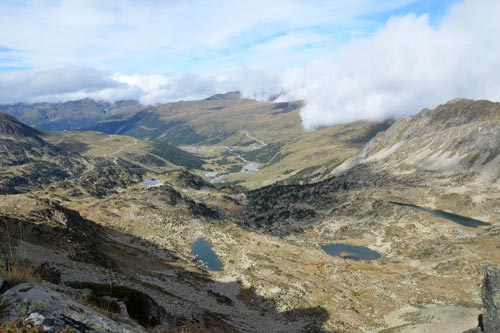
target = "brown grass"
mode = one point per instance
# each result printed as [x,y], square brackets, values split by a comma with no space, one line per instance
[17,273]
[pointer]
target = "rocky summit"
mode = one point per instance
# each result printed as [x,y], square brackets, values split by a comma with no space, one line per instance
[383,227]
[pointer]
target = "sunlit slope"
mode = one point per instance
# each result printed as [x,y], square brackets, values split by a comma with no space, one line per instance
[149,155]
[310,156]
[460,136]
[221,119]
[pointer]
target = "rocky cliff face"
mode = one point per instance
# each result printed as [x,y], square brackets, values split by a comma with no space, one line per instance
[461,135]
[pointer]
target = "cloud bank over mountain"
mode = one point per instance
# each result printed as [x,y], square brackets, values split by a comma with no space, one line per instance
[404,67]
[407,64]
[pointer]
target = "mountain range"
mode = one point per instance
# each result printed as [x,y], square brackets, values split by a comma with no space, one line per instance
[103,213]
[69,115]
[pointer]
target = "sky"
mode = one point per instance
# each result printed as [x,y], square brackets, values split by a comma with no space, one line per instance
[347,59]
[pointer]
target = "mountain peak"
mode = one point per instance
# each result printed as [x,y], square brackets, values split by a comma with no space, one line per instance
[460,135]
[231,95]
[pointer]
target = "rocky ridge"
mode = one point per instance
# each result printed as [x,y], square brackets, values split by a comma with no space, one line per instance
[460,136]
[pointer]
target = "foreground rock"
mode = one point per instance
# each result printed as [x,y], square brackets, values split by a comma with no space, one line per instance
[52,311]
[489,320]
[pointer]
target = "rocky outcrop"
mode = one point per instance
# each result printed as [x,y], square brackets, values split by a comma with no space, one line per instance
[491,300]
[461,135]
[489,320]
[29,162]
[38,305]
[126,301]
[48,273]
[105,180]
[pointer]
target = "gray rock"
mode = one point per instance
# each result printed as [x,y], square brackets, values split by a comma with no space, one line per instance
[489,320]
[491,300]
[54,311]
[46,272]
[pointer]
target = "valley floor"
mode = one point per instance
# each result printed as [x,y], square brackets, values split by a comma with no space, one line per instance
[427,279]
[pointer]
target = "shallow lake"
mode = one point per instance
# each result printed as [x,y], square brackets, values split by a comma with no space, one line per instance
[462,220]
[151,182]
[204,252]
[350,251]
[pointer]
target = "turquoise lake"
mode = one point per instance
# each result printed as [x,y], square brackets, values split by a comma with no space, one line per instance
[204,252]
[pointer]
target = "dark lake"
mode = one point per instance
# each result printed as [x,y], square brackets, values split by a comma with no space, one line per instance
[462,220]
[350,251]
[204,252]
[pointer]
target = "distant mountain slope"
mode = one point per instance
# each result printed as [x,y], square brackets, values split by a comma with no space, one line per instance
[150,155]
[221,119]
[68,115]
[27,161]
[461,135]
[310,156]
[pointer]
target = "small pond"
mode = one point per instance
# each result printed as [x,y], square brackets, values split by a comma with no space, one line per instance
[351,252]
[151,182]
[204,252]
[462,220]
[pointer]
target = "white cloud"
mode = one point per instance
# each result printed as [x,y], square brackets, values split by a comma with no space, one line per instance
[404,67]
[53,84]
[70,83]
[170,36]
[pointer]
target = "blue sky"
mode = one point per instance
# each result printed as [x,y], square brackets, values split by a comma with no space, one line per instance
[208,37]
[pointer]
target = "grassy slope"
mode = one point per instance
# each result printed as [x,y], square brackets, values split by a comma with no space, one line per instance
[150,155]
[312,154]
[291,153]
[211,122]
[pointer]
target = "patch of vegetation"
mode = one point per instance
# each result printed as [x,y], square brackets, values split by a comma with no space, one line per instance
[16,273]
[177,156]
[371,132]
[303,175]
[148,125]
[103,181]
[232,187]
[265,154]
[221,135]
[22,325]
[181,135]
[140,306]
[234,168]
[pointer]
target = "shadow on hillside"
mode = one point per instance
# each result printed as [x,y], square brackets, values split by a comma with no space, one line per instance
[186,297]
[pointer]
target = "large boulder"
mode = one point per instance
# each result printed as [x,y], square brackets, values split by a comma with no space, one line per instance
[489,320]
[48,273]
[37,305]
[491,300]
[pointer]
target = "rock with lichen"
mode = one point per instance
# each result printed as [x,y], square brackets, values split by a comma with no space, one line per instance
[39,306]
